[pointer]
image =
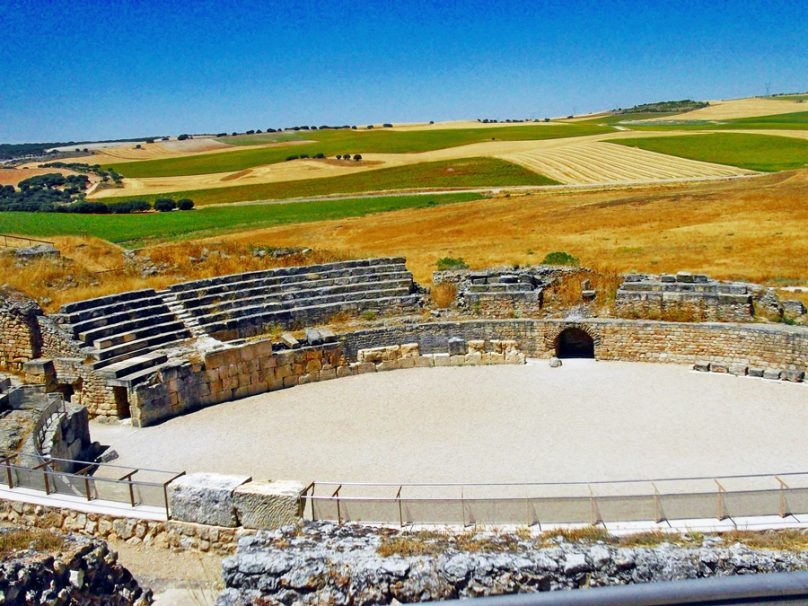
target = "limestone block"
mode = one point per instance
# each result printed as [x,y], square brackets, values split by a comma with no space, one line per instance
[441,359]
[205,498]
[719,368]
[772,373]
[474,358]
[702,366]
[265,505]
[477,345]
[410,350]
[739,370]
[795,376]
[555,363]
[424,361]
[457,346]
[457,360]
[755,372]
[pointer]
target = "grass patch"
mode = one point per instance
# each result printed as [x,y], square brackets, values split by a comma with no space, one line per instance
[136,230]
[17,540]
[754,152]
[470,172]
[443,294]
[332,142]
[795,121]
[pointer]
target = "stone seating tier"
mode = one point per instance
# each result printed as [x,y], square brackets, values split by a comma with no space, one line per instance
[705,287]
[294,298]
[389,295]
[255,324]
[399,279]
[301,270]
[100,302]
[323,278]
[99,316]
[150,316]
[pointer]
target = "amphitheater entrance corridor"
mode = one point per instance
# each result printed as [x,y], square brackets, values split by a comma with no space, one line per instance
[574,343]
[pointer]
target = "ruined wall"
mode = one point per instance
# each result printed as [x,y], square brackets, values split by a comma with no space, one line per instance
[20,340]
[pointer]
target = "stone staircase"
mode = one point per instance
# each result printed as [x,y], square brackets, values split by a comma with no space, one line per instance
[125,333]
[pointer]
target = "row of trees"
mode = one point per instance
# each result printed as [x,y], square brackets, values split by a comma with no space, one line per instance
[106,174]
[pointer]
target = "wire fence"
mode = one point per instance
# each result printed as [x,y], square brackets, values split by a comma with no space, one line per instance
[656,500]
[9,241]
[89,480]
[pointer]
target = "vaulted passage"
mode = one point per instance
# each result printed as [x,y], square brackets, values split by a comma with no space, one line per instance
[575,343]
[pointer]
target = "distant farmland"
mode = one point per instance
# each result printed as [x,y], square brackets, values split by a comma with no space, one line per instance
[471,172]
[140,229]
[753,152]
[332,142]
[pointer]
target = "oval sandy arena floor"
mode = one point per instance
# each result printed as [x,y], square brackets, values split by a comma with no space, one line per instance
[585,421]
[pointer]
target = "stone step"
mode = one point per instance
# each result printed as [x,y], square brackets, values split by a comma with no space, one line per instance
[132,365]
[141,344]
[173,325]
[299,295]
[136,377]
[78,306]
[118,317]
[130,305]
[287,282]
[311,314]
[293,304]
[287,271]
[147,317]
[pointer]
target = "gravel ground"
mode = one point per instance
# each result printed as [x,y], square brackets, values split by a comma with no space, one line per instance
[585,421]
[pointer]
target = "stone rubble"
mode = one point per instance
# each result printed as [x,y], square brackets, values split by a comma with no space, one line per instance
[323,563]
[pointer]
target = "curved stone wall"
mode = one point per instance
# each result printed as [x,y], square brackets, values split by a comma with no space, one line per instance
[756,345]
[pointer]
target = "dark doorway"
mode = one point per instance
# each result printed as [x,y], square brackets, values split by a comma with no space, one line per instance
[575,343]
[121,402]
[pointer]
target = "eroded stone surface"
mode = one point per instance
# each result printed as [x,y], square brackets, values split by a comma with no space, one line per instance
[205,498]
[268,505]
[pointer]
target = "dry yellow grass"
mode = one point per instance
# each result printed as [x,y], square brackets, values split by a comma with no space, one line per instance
[752,229]
[443,295]
[741,108]
[89,268]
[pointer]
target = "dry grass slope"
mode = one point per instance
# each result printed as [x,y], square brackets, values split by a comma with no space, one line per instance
[752,229]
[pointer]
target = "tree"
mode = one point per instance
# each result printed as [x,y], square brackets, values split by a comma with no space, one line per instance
[339,156]
[185,204]
[183,137]
[165,205]
[357,157]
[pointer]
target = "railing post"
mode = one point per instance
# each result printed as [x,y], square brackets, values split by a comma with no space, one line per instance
[783,500]
[339,510]
[593,507]
[165,492]
[400,510]
[463,506]
[722,513]
[660,513]
[9,474]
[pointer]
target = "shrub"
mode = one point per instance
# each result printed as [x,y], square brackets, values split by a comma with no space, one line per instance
[560,258]
[88,208]
[451,263]
[183,137]
[185,204]
[289,158]
[165,205]
[319,156]
[387,125]
[150,140]
[357,157]
[444,294]
[339,156]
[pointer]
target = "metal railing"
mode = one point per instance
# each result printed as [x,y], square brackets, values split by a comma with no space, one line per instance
[89,480]
[598,502]
[9,241]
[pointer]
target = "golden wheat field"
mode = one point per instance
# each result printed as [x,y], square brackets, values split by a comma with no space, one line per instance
[749,107]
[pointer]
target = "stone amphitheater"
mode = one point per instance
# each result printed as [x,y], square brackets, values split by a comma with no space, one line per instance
[184,378]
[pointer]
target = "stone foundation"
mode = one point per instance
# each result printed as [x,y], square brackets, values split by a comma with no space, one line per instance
[20,340]
[166,535]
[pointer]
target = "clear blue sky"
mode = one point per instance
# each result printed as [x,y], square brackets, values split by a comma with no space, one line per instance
[86,69]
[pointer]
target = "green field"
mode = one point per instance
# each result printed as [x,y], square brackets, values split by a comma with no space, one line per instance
[332,142]
[754,152]
[792,97]
[137,230]
[468,172]
[795,121]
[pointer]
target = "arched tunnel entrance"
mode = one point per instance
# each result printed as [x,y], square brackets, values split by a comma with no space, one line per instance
[574,343]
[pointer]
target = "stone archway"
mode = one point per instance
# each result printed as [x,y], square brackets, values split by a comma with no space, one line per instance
[574,343]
